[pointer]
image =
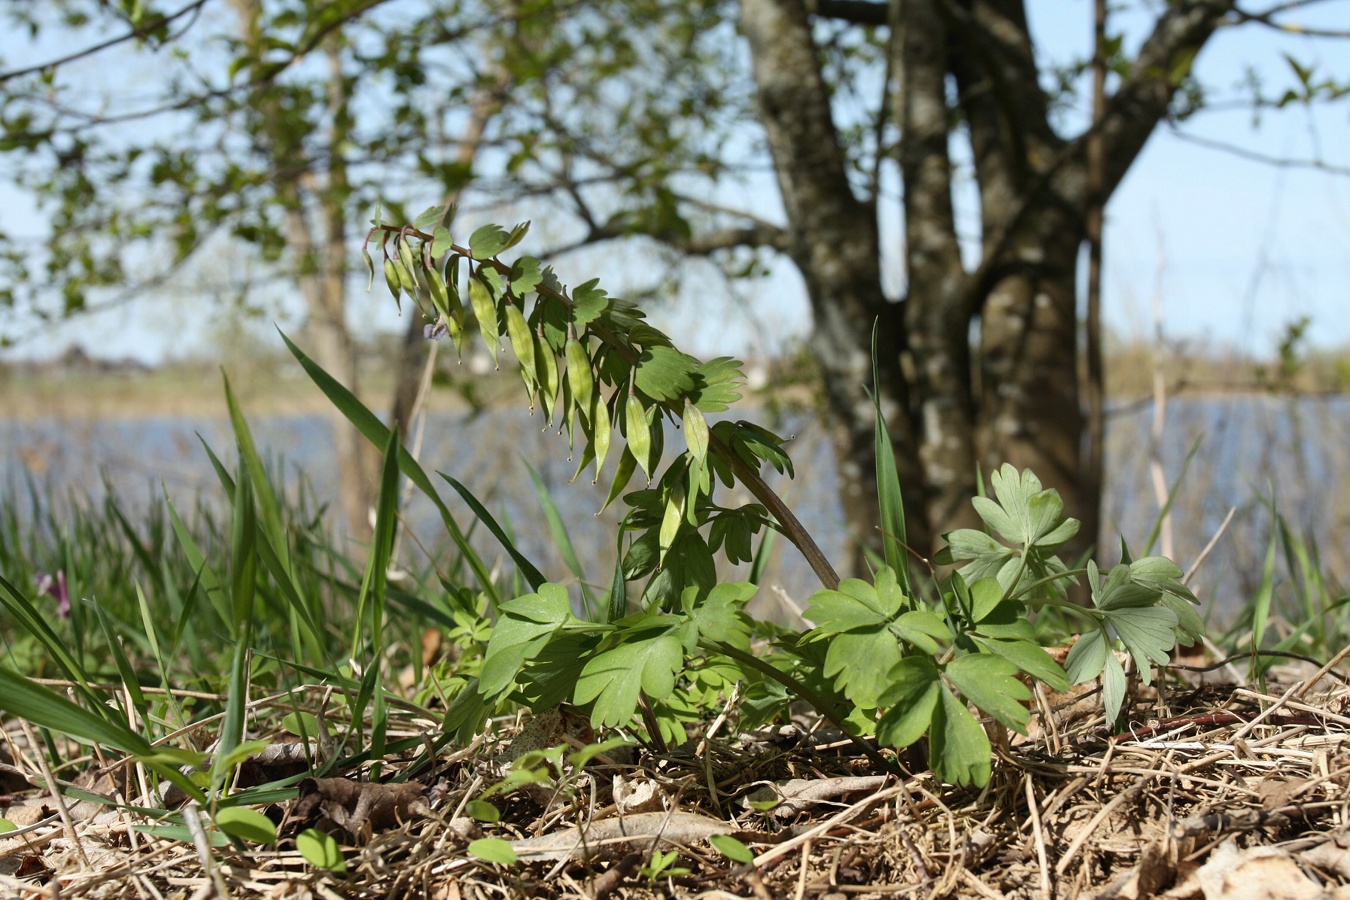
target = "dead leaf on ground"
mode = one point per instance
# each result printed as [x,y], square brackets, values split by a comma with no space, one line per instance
[339,804]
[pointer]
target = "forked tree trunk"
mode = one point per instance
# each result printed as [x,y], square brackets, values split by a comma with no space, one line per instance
[1018,398]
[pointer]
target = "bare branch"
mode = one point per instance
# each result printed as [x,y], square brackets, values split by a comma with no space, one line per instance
[1278,162]
[1142,100]
[859,12]
[140,31]
[1268,19]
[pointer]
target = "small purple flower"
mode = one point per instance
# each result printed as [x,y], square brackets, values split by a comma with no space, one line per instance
[435,332]
[55,587]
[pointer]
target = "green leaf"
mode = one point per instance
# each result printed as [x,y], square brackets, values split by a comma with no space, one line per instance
[910,700]
[583,756]
[524,629]
[985,596]
[958,746]
[647,660]
[493,850]
[860,663]
[988,681]
[441,242]
[246,824]
[525,275]
[588,303]
[532,575]
[1030,658]
[856,604]
[320,850]
[483,811]
[429,218]
[721,617]
[1087,657]
[488,241]
[303,724]
[923,629]
[1113,687]
[664,373]
[732,849]
[1148,633]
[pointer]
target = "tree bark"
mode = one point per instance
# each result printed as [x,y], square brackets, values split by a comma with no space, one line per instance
[316,233]
[1022,400]
[834,242]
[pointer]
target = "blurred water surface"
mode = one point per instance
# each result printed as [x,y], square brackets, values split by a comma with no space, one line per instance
[1252,450]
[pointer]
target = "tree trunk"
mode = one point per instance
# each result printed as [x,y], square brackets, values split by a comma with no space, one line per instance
[834,242]
[316,232]
[1021,401]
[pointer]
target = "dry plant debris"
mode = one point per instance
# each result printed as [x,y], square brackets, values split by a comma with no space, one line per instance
[1224,792]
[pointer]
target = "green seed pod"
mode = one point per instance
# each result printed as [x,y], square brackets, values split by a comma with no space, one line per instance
[622,475]
[579,376]
[405,256]
[600,433]
[695,431]
[485,311]
[671,518]
[639,435]
[393,281]
[546,365]
[405,278]
[522,343]
[439,294]
[370,266]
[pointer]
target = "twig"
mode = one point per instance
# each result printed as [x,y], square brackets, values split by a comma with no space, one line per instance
[1039,835]
[57,799]
[805,837]
[1209,548]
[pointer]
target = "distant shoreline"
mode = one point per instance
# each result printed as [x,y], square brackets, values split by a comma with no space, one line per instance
[267,390]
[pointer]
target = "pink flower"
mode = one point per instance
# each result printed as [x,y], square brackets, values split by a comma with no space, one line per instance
[55,587]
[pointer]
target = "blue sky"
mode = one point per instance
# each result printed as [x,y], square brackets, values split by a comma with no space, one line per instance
[1230,249]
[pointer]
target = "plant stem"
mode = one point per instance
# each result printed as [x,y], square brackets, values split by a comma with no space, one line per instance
[819,703]
[792,526]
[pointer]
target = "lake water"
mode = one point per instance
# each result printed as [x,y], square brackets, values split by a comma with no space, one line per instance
[1251,449]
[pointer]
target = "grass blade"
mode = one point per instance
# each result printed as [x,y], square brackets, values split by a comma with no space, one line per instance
[377,433]
[891,501]
[532,575]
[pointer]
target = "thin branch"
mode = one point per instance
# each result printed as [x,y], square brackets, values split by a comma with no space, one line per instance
[1278,162]
[1243,18]
[859,12]
[138,32]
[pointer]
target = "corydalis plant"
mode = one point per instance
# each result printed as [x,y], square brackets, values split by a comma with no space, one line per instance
[882,661]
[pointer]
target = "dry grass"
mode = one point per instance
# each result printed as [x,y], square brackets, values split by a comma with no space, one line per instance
[1213,782]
